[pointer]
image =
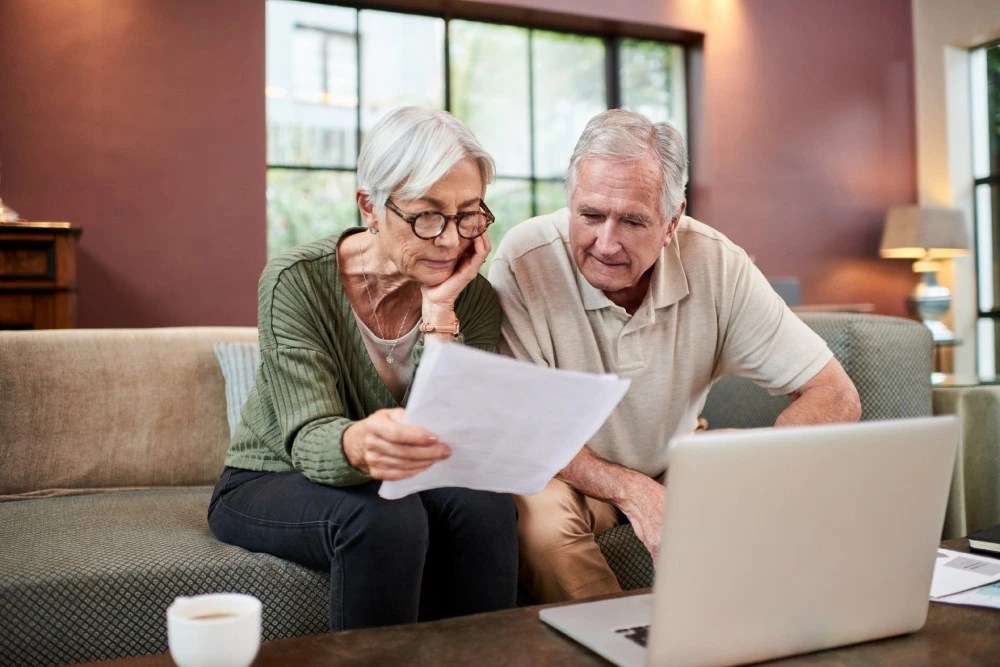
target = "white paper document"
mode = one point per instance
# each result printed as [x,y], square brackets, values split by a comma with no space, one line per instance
[955,572]
[511,426]
[984,596]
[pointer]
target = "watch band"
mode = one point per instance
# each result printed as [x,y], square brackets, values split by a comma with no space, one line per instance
[427,327]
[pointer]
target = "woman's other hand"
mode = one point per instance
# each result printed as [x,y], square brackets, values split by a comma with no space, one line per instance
[439,300]
[385,448]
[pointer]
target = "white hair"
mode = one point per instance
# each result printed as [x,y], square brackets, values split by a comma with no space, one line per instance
[620,135]
[412,148]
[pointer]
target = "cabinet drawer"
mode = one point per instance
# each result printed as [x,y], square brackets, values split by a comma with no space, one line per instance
[27,260]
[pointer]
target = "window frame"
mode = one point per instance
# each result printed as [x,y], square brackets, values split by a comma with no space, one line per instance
[610,32]
[986,232]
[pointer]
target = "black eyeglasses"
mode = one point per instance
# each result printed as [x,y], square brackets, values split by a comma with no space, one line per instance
[431,224]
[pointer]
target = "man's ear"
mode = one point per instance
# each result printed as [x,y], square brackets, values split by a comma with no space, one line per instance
[367,210]
[671,227]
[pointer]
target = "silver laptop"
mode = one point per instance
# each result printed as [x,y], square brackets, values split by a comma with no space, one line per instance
[784,541]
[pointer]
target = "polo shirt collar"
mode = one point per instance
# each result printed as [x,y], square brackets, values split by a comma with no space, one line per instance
[667,286]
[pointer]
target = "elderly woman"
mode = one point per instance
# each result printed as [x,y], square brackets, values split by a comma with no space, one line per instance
[342,323]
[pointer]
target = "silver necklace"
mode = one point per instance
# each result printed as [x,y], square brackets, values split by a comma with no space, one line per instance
[389,358]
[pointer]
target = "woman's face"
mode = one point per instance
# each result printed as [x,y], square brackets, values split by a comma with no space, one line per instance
[431,261]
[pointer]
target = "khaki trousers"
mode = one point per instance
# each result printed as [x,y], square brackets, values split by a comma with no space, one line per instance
[559,559]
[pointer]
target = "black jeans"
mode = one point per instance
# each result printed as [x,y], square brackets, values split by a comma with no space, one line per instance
[435,554]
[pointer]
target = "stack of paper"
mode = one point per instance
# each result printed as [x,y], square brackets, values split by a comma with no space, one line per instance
[956,574]
[511,426]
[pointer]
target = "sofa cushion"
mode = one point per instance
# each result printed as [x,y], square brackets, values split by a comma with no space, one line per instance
[115,408]
[887,358]
[239,362]
[91,576]
[627,556]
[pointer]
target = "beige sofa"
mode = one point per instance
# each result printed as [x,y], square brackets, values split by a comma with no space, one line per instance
[110,442]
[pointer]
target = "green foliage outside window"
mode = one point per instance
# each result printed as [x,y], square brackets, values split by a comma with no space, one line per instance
[525,93]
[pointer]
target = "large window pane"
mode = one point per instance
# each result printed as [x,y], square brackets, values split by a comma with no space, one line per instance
[651,79]
[402,60]
[510,201]
[489,90]
[988,246]
[549,196]
[986,346]
[304,205]
[311,84]
[569,89]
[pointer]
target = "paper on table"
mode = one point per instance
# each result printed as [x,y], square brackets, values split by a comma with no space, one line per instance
[511,425]
[984,596]
[955,572]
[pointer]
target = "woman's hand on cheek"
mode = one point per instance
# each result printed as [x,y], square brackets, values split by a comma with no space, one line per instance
[443,296]
[385,448]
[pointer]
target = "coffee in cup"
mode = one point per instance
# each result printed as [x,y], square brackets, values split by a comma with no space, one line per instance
[214,630]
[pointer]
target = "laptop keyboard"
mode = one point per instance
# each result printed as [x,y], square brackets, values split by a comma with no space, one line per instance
[638,634]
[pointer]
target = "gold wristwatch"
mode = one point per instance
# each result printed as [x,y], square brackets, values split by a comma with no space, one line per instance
[427,327]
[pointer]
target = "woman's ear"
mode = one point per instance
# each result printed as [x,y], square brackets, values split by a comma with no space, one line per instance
[367,210]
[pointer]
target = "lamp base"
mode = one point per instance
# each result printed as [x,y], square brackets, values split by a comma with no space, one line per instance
[940,332]
[930,301]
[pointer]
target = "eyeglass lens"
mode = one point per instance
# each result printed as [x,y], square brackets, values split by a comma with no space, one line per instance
[470,225]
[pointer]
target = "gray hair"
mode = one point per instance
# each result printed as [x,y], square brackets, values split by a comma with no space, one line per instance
[412,148]
[617,134]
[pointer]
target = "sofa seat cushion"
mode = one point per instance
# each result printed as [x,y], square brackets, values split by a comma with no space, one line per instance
[90,577]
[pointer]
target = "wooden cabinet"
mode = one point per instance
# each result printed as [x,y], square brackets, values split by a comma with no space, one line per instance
[38,275]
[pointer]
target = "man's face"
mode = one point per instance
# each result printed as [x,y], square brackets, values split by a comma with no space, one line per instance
[616,228]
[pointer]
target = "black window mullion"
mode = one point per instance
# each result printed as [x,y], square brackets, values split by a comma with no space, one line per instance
[531,122]
[612,65]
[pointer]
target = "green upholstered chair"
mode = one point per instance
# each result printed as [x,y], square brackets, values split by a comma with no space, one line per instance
[889,360]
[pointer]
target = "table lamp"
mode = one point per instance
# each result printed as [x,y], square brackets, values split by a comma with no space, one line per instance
[927,235]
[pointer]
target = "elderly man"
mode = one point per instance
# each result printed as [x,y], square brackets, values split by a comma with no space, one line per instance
[623,282]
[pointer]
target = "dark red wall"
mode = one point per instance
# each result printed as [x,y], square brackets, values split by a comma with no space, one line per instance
[143,122]
[808,137]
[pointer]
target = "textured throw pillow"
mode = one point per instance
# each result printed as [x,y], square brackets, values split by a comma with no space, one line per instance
[239,362]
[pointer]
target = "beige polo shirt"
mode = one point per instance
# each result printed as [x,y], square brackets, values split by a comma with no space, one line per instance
[709,313]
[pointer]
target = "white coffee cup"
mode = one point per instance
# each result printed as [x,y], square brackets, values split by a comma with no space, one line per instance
[214,630]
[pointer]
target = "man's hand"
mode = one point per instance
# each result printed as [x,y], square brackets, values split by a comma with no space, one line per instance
[644,509]
[639,497]
[382,446]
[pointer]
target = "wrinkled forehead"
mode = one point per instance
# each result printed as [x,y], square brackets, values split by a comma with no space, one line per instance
[618,185]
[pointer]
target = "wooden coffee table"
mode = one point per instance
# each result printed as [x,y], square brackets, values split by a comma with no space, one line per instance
[953,636]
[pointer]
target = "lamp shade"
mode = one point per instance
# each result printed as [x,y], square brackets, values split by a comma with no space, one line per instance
[920,232]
